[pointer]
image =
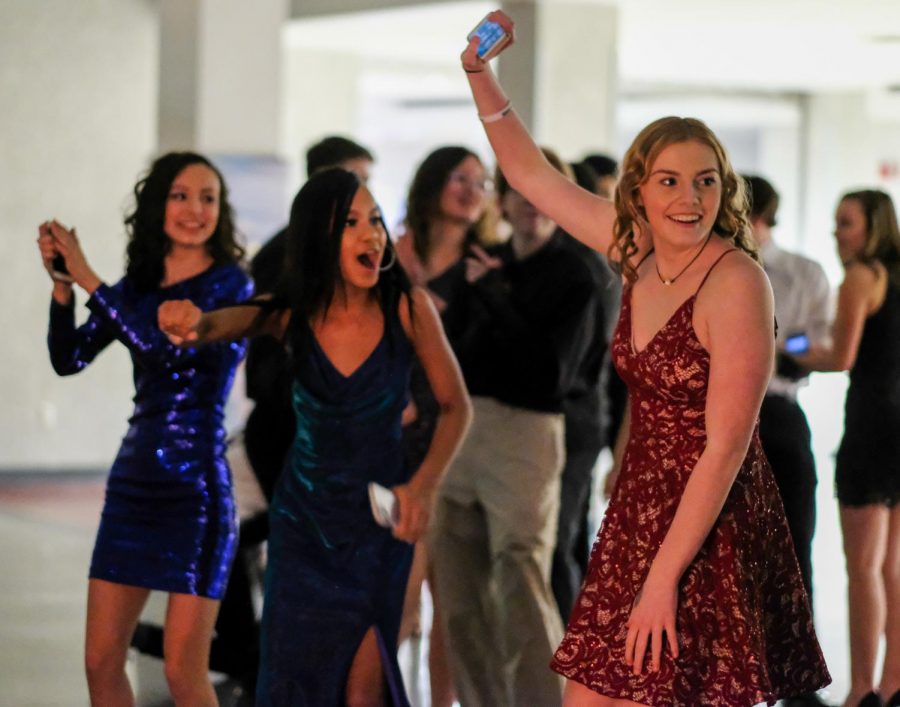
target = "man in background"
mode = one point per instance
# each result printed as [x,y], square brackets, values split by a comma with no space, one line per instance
[802,310]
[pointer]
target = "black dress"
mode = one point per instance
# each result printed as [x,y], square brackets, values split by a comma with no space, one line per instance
[868,460]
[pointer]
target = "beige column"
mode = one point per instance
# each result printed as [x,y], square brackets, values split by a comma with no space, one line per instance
[220,75]
[562,76]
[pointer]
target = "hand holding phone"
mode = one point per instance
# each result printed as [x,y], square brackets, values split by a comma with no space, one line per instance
[796,343]
[53,259]
[385,508]
[59,267]
[492,38]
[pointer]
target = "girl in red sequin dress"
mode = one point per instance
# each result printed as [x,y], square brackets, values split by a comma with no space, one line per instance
[693,594]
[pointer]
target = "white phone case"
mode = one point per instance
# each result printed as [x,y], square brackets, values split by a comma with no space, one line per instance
[384,505]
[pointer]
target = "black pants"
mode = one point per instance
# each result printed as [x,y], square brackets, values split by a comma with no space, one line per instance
[571,554]
[785,437]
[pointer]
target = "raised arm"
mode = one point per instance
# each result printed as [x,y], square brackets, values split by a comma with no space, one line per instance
[424,329]
[586,216]
[71,349]
[737,312]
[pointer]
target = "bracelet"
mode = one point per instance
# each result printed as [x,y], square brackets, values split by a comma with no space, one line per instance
[473,71]
[499,115]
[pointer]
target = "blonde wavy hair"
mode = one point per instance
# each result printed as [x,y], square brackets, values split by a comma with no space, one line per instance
[731,223]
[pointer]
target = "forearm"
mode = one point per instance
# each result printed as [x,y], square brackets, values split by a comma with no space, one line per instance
[62,293]
[234,322]
[73,349]
[824,360]
[453,422]
[701,503]
[517,154]
[89,281]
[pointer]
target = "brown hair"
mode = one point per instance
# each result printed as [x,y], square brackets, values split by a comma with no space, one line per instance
[882,231]
[731,221]
[423,203]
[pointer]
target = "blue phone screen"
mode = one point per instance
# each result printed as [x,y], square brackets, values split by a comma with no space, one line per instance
[489,33]
[797,344]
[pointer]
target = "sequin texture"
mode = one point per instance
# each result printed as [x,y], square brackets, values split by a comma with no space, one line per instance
[333,573]
[169,518]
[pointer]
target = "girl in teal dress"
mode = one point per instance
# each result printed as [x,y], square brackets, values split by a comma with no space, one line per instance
[335,579]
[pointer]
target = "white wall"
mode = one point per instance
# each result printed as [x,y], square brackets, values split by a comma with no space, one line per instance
[78,89]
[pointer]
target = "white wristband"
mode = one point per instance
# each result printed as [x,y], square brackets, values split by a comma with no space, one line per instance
[499,115]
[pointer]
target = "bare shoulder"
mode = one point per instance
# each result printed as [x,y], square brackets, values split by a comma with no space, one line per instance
[736,274]
[416,310]
[863,276]
[737,283]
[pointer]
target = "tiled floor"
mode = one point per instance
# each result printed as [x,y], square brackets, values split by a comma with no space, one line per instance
[47,526]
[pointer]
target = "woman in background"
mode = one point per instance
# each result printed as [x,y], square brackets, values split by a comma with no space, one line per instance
[866,342]
[168,522]
[447,213]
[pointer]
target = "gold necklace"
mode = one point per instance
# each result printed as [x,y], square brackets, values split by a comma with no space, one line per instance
[669,281]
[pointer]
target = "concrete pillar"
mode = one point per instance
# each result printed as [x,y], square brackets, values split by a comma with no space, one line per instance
[220,75]
[562,73]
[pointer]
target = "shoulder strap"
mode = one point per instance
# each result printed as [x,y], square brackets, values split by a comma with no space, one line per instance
[646,255]
[703,281]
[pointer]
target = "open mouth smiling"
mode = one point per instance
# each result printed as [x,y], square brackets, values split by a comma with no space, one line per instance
[685,219]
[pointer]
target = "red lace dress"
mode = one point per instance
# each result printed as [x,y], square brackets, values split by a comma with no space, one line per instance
[744,626]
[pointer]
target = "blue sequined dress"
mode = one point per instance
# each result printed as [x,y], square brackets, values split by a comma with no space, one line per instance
[169,520]
[333,573]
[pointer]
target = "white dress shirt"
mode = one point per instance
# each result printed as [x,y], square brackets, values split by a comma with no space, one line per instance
[802,304]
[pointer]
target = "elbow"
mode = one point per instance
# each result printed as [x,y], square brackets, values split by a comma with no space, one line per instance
[467,413]
[64,368]
[843,363]
[729,454]
[458,408]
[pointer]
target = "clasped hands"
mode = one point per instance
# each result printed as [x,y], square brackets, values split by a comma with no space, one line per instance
[53,240]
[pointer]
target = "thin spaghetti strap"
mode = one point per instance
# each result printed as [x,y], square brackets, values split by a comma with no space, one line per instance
[703,281]
[646,255]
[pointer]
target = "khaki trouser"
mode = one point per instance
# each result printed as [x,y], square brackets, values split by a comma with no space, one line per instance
[492,543]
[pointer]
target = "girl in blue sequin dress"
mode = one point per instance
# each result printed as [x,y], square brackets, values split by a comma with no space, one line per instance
[336,579]
[168,522]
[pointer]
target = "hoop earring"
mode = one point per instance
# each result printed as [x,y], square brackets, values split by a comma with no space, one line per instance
[383,268]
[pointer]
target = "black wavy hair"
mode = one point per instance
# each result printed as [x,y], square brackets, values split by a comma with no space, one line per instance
[148,243]
[312,268]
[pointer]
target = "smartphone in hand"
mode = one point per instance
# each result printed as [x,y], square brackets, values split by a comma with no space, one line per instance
[796,344]
[385,508]
[493,38]
[59,267]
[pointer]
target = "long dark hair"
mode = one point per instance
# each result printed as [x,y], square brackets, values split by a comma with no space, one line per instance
[312,269]
[423,202]
[148,243]
[882,231]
